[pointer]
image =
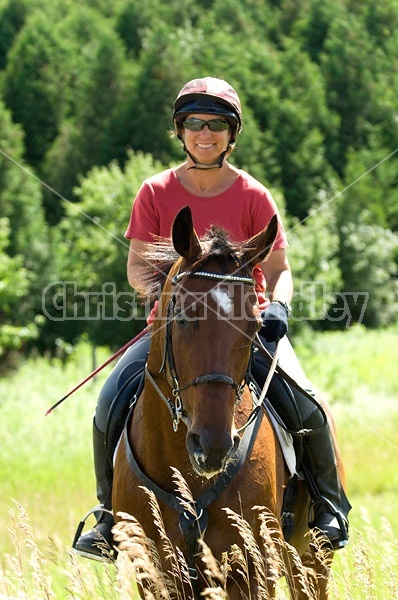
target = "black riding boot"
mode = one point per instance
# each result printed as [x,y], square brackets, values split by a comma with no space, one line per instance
[330,506]
[98,542]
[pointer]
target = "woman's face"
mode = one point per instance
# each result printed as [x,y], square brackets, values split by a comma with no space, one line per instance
[206,145]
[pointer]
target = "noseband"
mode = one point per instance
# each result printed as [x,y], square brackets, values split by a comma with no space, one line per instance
[176,409]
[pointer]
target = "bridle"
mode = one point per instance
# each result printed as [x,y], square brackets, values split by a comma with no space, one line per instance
[193,522]
[168,364]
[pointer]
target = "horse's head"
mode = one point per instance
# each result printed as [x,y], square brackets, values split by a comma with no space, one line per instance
[212,316]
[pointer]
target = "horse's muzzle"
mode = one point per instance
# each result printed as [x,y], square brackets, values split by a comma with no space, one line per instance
[210,453]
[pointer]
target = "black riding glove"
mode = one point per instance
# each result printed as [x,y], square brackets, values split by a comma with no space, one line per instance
[274,319]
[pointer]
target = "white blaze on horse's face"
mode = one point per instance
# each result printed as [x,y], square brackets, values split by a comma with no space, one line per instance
[222,299]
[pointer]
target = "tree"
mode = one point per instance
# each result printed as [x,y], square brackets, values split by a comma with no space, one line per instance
[368,259]
[92,84]
[313,25]
[289,103]
[367,216]
[313,254]
[92,131]
[165,64]
[90,292]
[14,330]
[349,66]
[371,184]
[23,240]
[12,18]
[35,85]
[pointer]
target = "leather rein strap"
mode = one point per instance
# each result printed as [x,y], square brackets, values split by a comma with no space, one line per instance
[276,368]
[168,364]
[193,522]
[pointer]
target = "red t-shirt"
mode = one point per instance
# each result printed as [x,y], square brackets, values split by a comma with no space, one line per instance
[244,209]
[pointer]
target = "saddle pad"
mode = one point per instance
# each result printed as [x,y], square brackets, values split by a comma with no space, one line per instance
[286,443]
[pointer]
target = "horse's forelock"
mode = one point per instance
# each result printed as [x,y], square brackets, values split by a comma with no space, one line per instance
[217,244]
[162,255]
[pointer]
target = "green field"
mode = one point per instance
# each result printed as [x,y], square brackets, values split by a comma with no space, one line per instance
[47,482]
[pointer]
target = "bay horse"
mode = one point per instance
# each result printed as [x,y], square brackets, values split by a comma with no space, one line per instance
[194,403]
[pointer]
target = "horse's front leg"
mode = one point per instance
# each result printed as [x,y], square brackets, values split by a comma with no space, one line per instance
[308,577]
[248,587]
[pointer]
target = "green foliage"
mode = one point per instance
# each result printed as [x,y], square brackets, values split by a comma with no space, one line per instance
[302,120]
[367,217]
[93,84]
[374,197]
[20,198]
[13,287]
[165,62]
[314,262]
[314,25]
[23,242]
[346,50]
[369,269]
[36,101]
[90,293]
[93,131]
[12,18]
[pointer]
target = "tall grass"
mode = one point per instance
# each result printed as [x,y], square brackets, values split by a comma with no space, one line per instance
[358,371]
[368,569]
[47,482]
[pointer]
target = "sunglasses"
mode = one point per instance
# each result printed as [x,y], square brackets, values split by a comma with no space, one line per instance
[199,124]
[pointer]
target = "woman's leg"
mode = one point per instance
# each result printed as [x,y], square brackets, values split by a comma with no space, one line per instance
[97,543]
[330,505]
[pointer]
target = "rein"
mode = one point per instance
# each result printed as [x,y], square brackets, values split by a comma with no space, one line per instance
[193,520]
[176,408]
[307,393]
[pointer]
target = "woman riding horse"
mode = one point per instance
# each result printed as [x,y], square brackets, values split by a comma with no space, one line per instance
[207,119]
[201,413]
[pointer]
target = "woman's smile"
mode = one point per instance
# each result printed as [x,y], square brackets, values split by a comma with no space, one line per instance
[205,143]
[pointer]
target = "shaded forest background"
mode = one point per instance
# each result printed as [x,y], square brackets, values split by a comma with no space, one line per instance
[86,90]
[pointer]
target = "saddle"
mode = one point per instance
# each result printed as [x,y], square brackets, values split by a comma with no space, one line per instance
[130,385]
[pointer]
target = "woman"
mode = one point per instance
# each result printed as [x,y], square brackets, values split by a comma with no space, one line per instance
[207,120]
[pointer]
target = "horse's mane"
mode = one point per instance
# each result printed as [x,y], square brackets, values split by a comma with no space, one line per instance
[161,255]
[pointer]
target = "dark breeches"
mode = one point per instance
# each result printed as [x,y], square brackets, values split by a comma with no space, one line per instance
[135,355]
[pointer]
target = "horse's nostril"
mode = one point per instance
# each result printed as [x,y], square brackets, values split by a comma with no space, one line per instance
[210,454]
[195,448]
[200,457]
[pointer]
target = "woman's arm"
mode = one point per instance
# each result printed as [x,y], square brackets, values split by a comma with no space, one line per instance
[136,264]
[278,276]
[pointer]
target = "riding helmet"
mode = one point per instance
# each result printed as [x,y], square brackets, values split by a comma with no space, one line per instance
[209,95]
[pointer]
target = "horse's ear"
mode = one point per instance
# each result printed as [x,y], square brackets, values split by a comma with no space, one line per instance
[260,245]
[185,239]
